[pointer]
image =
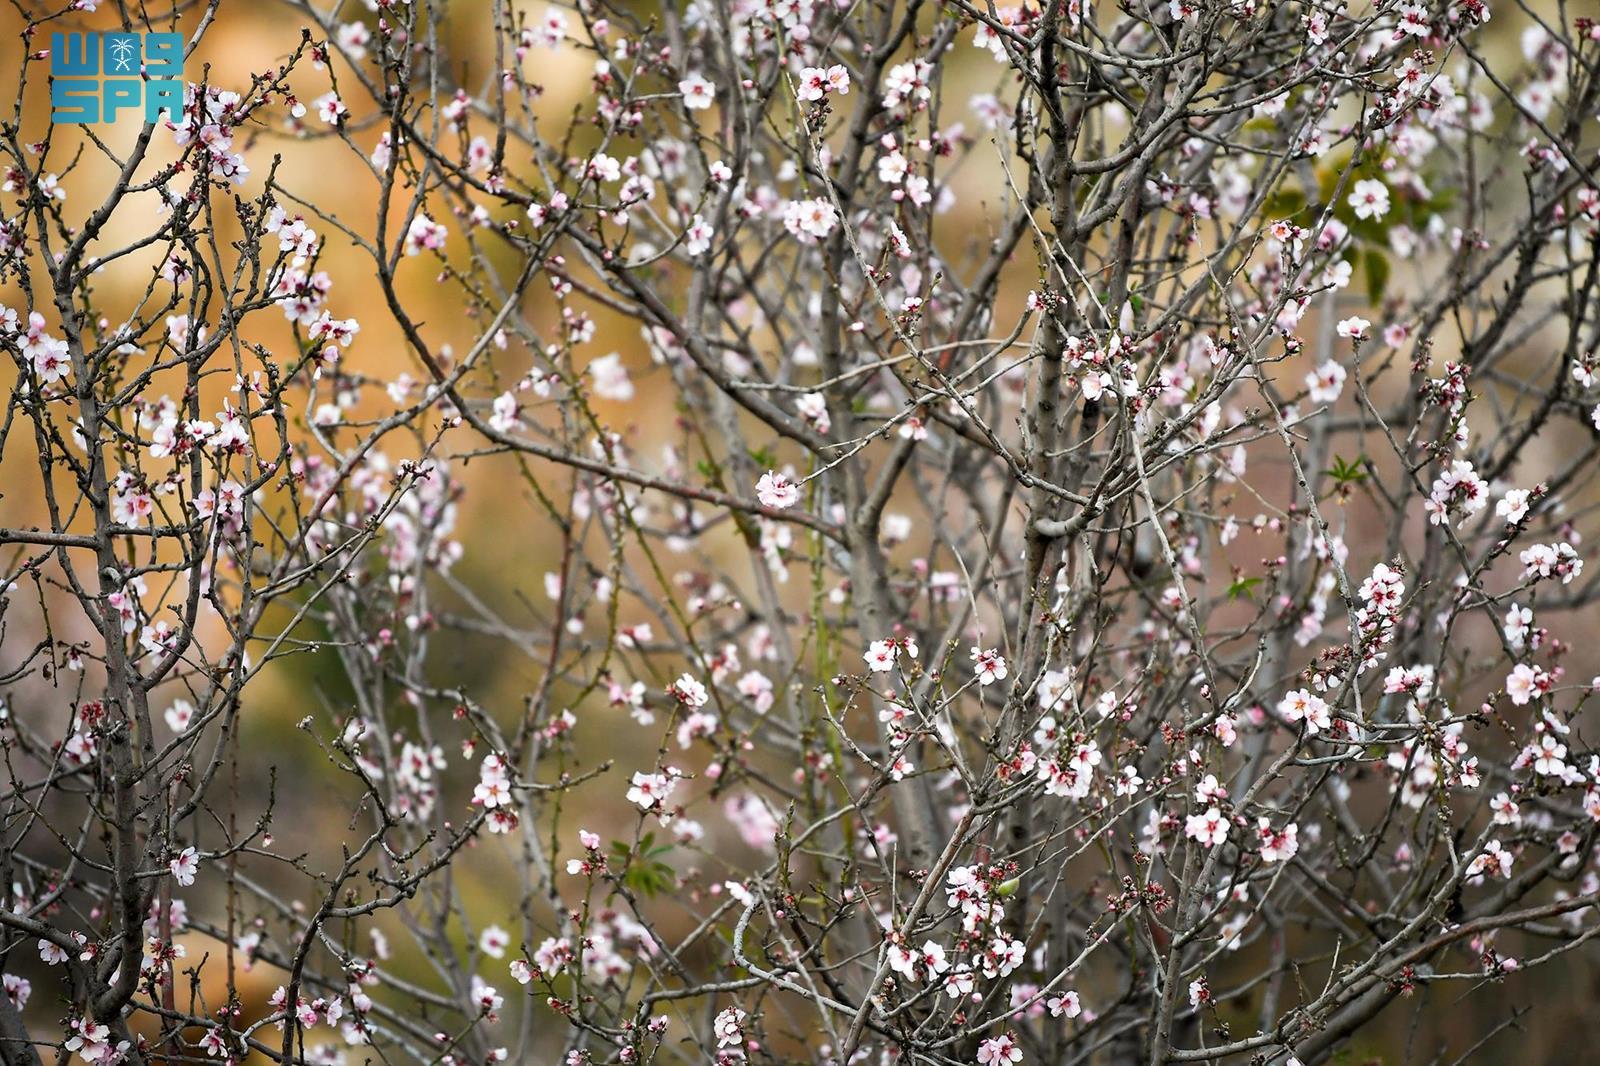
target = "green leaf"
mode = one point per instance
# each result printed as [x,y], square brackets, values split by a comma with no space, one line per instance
[1345,473]
[642,872]
[650,878]
[1240,589]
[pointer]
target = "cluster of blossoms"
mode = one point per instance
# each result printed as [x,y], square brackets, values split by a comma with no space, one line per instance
[493,794]
[210,118]
[1458,490]
[1544,561]
[47,355]
[815,82]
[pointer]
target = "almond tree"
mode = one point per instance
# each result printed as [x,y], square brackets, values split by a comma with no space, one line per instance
[1079,561]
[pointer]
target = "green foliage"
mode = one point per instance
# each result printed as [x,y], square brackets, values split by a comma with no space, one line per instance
[643,871]
[1242,588]
[1375,268]
[1347,473]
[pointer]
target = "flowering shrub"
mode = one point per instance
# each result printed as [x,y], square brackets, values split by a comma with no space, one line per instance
[1077,554]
